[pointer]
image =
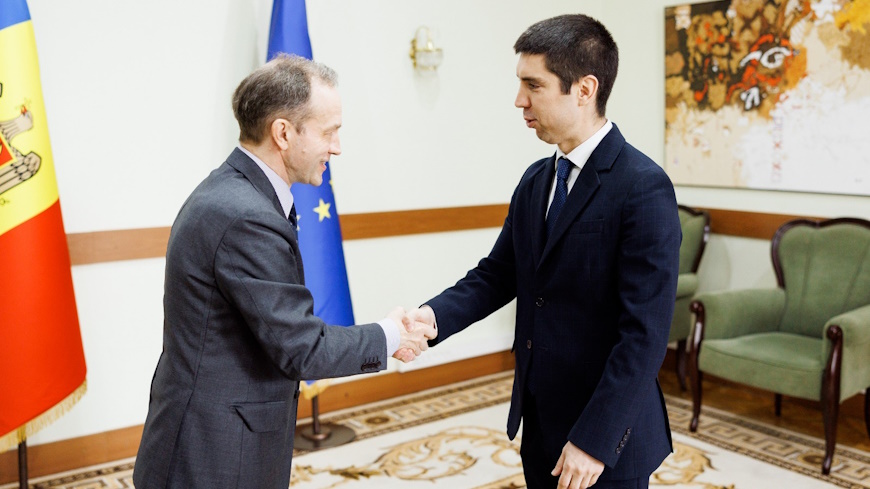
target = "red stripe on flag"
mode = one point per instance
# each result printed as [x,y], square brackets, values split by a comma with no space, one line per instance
[41,355]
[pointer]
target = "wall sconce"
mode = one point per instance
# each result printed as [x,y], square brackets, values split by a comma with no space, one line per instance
[423,51]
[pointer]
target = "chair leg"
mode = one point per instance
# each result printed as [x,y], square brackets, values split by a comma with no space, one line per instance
[777,404]
[867,410]
[695,376]
[681,363]
[830,412]
[830,395]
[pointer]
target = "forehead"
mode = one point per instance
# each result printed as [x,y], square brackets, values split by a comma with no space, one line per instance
[325,103]
[323,95]
[533,66]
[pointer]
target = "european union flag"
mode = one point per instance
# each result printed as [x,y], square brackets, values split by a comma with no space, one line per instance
[319,230]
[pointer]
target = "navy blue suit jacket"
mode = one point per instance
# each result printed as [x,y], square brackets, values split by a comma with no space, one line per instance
[594,305]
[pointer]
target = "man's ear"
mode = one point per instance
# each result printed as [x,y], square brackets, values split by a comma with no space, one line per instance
[282,133]
[587,89]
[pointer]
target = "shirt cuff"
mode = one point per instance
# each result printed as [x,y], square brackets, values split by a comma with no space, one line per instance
[391,332]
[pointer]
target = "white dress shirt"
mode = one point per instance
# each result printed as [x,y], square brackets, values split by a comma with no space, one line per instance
[579,156]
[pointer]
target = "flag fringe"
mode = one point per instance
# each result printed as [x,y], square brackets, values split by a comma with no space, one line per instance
[16,436]
[309,391]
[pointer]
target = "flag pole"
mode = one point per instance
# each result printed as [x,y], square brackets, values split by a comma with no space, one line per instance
[317,436]
[22,464]
[320,242]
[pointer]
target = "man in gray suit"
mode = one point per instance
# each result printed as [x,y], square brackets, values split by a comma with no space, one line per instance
[239,330]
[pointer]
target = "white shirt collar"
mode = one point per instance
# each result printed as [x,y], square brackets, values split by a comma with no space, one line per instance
[285,197]
[580,155]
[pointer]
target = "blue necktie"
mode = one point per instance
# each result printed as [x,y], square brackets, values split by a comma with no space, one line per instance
[561,193]
[292,217]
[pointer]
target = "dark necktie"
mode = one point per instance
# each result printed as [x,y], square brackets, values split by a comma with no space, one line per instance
[561,193]
[292,217]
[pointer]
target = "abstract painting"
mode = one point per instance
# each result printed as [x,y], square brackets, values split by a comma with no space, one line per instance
[769,94]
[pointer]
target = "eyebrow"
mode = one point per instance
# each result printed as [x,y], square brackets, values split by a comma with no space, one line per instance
[532,79]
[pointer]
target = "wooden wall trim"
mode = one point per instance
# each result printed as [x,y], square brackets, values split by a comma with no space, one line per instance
[398,223]
[749,224]
[131,244]
[123,244]
[60,456]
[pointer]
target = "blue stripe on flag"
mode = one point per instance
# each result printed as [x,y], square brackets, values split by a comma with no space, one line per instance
[319,232]
[13,12]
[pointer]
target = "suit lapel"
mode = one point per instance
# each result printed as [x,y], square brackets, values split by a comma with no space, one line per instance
[601,160]
[539,202]
[246,166]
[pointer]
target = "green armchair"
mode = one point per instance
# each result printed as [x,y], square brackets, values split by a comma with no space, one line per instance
[696,232]
[809,338]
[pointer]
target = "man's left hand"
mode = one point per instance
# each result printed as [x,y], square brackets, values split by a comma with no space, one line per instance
[578,470]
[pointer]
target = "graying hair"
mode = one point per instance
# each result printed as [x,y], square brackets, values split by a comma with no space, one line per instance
[279,89]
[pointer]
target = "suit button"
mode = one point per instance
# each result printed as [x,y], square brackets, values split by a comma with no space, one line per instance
[529,344]
[618,451]
[621,444]
[539,302]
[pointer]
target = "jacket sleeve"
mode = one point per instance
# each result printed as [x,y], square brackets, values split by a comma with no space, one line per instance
[647,268]
[256,270]
[484,289]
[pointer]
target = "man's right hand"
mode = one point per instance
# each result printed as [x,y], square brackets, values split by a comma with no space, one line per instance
[414,333]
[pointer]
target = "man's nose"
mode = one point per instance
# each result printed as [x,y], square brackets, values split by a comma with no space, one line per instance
[522,100]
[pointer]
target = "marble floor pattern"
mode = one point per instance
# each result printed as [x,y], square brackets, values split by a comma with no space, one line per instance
[453,437]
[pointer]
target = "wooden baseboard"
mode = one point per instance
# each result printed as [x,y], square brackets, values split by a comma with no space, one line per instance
[51,458]
[60,456]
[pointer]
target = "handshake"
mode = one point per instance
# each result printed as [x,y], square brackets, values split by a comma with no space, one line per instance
[416,327]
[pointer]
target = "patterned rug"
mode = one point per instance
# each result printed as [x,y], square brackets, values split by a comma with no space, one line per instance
[454,438]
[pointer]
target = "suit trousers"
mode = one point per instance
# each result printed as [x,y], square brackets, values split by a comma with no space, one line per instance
[537,466]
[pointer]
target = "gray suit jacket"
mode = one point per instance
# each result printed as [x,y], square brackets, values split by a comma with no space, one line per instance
[239,334]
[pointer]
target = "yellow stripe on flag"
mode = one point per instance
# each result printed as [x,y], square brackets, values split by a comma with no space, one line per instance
[23,192]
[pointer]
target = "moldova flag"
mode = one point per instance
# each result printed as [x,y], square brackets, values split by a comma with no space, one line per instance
[42,363]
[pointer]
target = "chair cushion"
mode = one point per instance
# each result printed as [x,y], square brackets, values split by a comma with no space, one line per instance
[693,235]
[687,284]
[785,363]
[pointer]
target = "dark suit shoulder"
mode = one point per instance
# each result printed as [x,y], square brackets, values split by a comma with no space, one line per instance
[225,197]
[637,160]
[533,171]
[536,167]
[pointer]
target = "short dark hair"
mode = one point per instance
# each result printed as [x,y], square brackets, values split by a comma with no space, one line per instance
[279,89]
[574,46]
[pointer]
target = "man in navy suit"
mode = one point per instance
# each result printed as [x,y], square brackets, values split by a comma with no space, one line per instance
[590,250]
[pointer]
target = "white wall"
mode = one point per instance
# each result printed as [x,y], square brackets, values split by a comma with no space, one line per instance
[138,95]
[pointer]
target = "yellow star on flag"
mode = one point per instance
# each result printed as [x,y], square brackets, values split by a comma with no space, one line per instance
[322,210]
